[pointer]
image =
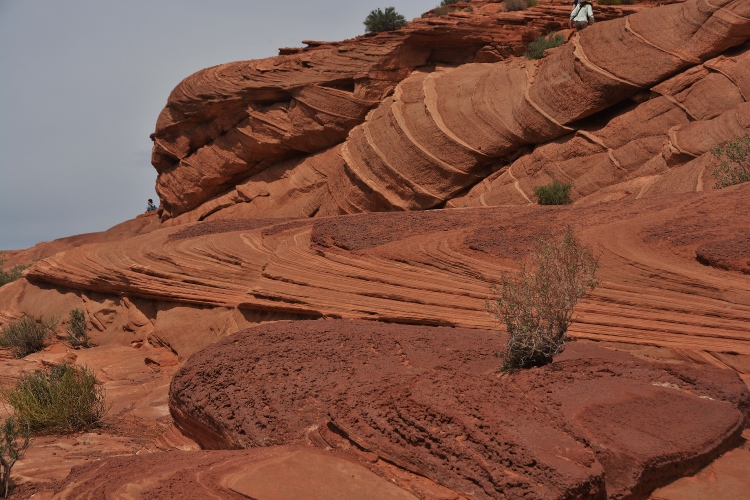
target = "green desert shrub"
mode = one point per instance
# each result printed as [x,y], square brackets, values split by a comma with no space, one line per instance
[11,274]
[733,165]
[384,20]
[536,303]
[536,48]
[14,440]
[78,335]
[440,11]
[26,336]
[445,3]
[556,193]
[63,398]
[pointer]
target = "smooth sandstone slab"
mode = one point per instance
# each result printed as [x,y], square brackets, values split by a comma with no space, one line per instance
[277,473]
[305,475]
[727,478]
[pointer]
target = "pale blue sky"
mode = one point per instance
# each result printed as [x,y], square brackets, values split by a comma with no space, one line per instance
[82,82]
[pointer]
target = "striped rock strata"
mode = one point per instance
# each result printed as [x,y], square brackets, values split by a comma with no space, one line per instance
[232,123]
[429,267]
[446,128]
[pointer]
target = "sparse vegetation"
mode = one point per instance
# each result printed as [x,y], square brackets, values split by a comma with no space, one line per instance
[26,336]
[536,304]
[445,3]
[14,440]
[440,11]
[11,274]
[556,193]
[537,47]
[78,336]
[733,165]
[384,20]
[64,398]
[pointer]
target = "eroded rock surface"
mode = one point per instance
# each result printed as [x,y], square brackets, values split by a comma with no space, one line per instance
[591,424]
[443,118]
[430,267]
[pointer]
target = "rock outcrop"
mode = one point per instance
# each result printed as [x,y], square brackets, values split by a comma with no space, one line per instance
[660,146]
[228,124]
[445,123]
[430,267]
[429,400]
[270,173]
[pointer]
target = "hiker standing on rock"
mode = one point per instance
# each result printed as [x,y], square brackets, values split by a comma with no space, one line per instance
[150,207]
[582,15]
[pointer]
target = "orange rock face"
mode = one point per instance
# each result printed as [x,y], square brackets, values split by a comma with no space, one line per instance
[446,122]
[270,176]
[223,127]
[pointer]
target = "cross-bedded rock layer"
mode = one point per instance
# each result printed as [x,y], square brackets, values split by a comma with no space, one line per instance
[449,117]
[430,267]
[429,400]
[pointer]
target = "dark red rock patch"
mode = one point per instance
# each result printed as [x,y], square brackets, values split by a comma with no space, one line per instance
[595,423]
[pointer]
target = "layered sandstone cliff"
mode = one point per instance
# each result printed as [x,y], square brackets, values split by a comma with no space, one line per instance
[269,174]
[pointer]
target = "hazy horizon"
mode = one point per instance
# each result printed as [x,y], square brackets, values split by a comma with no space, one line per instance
[83,82]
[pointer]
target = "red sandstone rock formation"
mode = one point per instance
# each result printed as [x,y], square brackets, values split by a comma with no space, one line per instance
[231,123]
[430,401]
[431,267]
[438,114]
[446,127]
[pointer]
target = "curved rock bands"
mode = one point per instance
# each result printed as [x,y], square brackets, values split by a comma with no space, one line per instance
[603,66]
[659,146]
[430,401]
[227,123]
[435,267]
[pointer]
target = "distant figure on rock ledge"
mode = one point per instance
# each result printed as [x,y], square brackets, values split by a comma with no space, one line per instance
[150,207]
[582,15]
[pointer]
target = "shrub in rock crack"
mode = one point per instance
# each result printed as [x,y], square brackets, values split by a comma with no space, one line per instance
[536,48]
[78,335]
[555,193]
[733,165]
[536,303]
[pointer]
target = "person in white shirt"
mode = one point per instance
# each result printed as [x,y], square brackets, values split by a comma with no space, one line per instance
[582,15]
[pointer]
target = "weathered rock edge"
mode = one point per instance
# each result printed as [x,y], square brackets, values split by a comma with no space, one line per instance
[594,423]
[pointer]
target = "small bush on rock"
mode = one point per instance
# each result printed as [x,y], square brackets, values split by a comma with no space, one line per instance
[537,47]
[445,3]
[78,336]
[555,193]
[64,398]
[14,440]
[734,162]
[536,304]
[388,20]
[11,274]
[26,336]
